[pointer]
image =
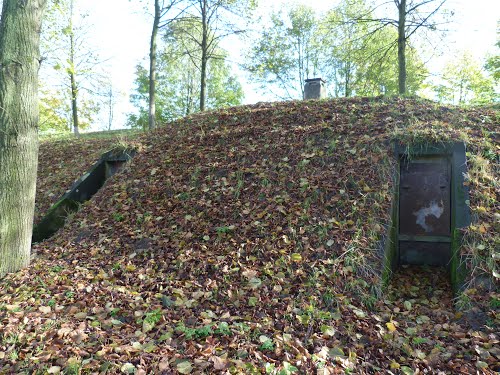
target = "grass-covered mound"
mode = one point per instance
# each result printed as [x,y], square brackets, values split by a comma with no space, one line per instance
[249,240]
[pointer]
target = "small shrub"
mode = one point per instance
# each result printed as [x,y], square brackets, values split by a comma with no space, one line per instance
[223,329]
[153,317]
[267,346]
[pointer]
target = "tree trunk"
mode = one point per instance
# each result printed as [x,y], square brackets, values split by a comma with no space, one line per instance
[111,106]
[204,54]
[189,90]
[72,75]
[19,63]
[152,68]
[348,80]
[461,92]
[402,47]
[74,104]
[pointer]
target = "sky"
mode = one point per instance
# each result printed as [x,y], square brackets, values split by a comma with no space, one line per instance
[121,32]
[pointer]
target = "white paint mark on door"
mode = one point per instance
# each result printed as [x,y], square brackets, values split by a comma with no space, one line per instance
[433,209]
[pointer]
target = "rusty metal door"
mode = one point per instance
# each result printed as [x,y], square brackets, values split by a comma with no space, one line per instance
[425,211]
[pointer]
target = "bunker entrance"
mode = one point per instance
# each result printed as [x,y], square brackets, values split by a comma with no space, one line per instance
[425,211]
[81,191]
[430,207]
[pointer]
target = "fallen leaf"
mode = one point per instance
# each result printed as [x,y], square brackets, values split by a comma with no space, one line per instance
[219,363]
[336,352]
[164,365]
[328,330]
[255,282]
[407,305]
[45,309]
[128,368]
[481,365]
[395,365]
[407,370]
[359,313]
[184,367]
[264,338]
[390,326]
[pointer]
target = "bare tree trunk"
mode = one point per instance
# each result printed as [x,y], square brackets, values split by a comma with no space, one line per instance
[74,104]
[402,47]
[188,95]
[111,103]
[19,63]
[72,75]
[204,54]
[461,93]
[152,67]
[300,60]
[348,80]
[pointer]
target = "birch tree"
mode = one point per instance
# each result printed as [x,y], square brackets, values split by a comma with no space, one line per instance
[19,63]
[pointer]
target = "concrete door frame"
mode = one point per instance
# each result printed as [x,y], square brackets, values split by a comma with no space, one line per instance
[460,211]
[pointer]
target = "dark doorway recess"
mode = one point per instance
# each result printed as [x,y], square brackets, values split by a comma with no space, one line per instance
[430,207]
[82,190]
[424,211]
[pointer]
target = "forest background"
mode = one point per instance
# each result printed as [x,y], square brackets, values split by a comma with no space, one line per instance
[455,60]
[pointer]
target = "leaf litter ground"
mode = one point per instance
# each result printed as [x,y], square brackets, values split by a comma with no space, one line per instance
[249,240]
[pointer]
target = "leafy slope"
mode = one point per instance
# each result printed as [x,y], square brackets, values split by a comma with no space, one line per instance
[249,240]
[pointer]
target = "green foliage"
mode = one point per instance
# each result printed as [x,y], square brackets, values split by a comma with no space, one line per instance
[287,369]
[345,44]
[117,216]
[493,65]
[463,302]
[465,82]
[57,268]
[153,317]
[194,333]
[419,340]
[178,85]
[73,367]
[224,229]
[286,53]
[356,58]
[267,346]
[495,303]
[63,32]
[493,62]
[53,111]
[363,57]
[223,329]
